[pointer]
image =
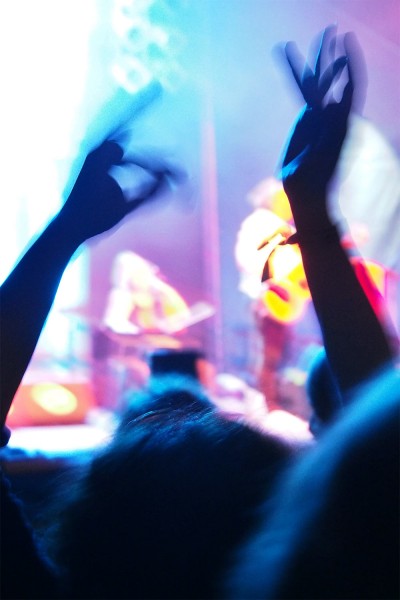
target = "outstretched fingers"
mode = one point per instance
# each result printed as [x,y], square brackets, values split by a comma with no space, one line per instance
[357,73]
[302,73]
[330,75]
[317,69]
[327,45]
[312,85]
[296,63]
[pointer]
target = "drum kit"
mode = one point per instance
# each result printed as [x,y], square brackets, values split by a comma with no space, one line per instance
[119,361]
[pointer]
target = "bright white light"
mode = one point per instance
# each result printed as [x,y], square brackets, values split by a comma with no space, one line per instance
[58,440]
[133,76]
[58,73]
[45,74]
[144,50]
[44,45]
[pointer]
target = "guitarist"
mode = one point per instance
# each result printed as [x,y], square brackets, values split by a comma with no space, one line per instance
[140,300]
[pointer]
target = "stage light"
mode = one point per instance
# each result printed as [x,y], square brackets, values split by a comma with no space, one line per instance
[54,398]
[48,403]
[146,50]
[131,74]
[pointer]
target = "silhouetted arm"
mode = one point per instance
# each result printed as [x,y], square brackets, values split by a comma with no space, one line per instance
[355,340]
[95,205]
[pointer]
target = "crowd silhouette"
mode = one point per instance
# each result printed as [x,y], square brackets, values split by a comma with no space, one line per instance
[184,502]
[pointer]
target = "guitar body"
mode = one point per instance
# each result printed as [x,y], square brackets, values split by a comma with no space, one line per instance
[285,295]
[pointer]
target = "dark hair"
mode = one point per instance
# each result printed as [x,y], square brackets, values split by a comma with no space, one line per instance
[175,394]
[334,532]
[161,508]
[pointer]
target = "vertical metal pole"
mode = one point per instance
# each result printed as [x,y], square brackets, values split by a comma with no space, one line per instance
[210,217]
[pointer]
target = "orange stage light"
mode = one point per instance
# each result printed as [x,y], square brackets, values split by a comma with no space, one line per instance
[48,403]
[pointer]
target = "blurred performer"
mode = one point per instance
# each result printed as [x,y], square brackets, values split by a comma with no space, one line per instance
[272,275]
[269,221]
[143,312]
[140,300]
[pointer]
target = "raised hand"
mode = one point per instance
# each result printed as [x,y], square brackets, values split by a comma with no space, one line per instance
[315,143]
[313,84]
[97,202]
[355,340]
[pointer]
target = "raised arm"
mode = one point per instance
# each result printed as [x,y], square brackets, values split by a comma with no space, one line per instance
[95,205]
[355,340]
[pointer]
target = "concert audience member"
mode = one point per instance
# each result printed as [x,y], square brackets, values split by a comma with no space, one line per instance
[174,382]
[161,508]
[95,205]
[334,530]
[203,473]
[35,279]
[355,339]
[158,512]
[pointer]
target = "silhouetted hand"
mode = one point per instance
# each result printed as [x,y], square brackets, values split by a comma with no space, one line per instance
[315,143]
[97,203]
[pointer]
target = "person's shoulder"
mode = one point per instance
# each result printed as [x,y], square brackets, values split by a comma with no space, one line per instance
[5,434]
